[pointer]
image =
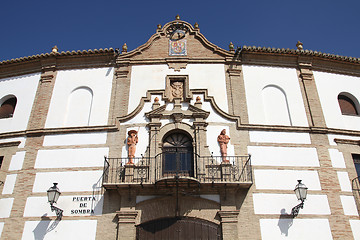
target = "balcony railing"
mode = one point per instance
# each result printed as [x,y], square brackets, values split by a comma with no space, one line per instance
[150,170]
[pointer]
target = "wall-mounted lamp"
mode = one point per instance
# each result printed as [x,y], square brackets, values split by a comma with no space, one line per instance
[53,195]
[301,192]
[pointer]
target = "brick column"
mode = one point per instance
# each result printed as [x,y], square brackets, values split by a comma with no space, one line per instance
[229,224]
[126,224]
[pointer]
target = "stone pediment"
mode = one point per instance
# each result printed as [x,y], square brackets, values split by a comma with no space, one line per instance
[177,40]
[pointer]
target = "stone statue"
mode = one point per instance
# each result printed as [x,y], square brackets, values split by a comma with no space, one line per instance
[223,140]
[132,140]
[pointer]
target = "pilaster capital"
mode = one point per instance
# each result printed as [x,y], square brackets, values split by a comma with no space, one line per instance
[229,216]
[234,72]
[127,216]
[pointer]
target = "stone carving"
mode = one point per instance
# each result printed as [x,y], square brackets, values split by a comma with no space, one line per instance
[177,89]
[132,140]
[223,140]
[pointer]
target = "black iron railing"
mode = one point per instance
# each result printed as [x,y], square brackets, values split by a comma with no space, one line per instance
[208,169]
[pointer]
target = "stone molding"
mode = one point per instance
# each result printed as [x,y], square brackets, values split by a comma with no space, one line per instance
[229,216]
[127,216]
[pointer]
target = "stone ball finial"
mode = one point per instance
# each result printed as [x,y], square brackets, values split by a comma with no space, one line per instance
[159,26]
[231,46]
[124,48]
[54,49]
[177,17]
[299,45]
[196,25]
[198,99]
[156,99]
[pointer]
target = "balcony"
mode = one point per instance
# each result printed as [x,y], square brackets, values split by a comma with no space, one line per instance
[182,168]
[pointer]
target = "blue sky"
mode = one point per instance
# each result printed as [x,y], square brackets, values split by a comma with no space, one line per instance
[34,27]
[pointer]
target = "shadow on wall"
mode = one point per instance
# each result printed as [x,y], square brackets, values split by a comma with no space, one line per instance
[285,222]
[43,227]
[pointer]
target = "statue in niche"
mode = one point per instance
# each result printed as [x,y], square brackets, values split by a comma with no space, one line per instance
[223,140]
[177,89]
[132,140]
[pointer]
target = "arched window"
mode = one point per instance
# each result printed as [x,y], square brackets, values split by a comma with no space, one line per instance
[348,104]
[8,107]
[79,107]
[276,106]
[178,155]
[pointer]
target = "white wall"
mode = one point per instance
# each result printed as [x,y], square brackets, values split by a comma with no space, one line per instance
[5,207]
[349,205]
[38,206]
[329,98]
[283,156]
[17,161]
[60,230]
[75,139]
[279,137]
[1,227]
[256,78]
[153,77]
[337,158]
[281,204]
[71,158]
[9,184]
[331,138]
[21,139]
[285,179]
[344,181]
[24,88]
[295,229]
[355,227]
[99,80]
[76,181]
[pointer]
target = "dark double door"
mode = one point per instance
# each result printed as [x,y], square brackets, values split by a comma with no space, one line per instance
[178,229]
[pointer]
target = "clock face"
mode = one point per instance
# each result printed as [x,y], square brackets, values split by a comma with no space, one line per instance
[177,35]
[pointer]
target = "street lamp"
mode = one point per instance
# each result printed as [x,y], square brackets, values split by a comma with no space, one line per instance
[300,192]
[53,195]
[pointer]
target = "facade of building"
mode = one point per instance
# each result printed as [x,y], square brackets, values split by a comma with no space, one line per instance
[180,139]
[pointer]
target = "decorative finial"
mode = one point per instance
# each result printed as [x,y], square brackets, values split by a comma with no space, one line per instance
[177,17]
[124,48]
[198,99]
[54,49]
[159,26]
[196,25]
[156,99]
[231,46]
[299,45]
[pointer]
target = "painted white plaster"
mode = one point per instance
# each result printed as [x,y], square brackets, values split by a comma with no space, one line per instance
[355,228]
[279,137]
[295,229]
[77,181]
[75,139]
[281,204]
[329,98]
[5,207]
[140,117]
[60,230]
[337,158]
[67,158]
[283,156]
[256,78]
[39,206]
[1,228]
[79,106]
[144,198]
[285,179]
[21,139]
[344,181]
[24,89]
[211,197]
[213,132]
[143,143]
[99,80]
[201,76]
[17,161]
[9,184]
[331,138]
[349,205]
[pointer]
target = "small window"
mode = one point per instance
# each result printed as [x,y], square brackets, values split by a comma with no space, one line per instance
[356,158]
[7,108]
[347,105]
[1,160]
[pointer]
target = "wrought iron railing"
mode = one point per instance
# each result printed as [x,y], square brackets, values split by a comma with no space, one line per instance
[356,190]
[205,169]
